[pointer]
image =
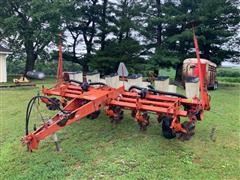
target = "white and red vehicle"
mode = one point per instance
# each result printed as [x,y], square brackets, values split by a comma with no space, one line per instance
[209,71]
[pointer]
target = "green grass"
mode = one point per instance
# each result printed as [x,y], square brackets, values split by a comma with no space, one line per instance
[224,74]
[229,79]
[228,71]
[95,149]
[47,81]
[167,72]
[228,75]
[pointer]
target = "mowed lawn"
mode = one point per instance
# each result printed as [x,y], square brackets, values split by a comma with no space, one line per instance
[96,149]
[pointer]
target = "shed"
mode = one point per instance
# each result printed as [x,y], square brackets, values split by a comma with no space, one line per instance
[4,52]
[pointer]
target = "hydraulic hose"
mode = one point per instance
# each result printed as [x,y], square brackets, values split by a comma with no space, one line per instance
[30,106]
[158,92]
[91,83]
[135,87]
[167,93]
[97,83]
[75,81]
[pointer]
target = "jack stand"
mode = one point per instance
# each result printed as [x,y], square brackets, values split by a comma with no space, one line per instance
[55,139]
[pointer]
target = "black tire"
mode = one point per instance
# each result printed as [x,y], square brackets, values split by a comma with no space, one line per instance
[120,113]
[133,113]
[55,103]
[167,132]
[189,127]
[94,115]
[143,125]
[215,86]
[199,115]
[160,118]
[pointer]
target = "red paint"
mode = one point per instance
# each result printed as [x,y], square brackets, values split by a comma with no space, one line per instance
[80,104]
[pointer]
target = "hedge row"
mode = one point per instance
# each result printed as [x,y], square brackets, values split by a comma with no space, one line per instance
[228,72]
[49,67]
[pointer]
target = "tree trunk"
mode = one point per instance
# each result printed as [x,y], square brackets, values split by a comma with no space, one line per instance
[87,42]
[124,6]
[178,75]
[31,56]
[156,72]
[159,26]
[206,51]
[89,48]
[103,35]
[85,68]
[127,34]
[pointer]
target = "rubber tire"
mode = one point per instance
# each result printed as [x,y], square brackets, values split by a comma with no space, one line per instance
[189,127]
[133,113]
[94,115]
[143,126]
[190,130]
[167,132]
[120,114]
[215,86]
[198,116]
[54,107]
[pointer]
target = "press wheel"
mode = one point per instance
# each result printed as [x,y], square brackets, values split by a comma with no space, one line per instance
[167,132]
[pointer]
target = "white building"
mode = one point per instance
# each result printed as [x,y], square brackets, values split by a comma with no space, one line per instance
[3,64]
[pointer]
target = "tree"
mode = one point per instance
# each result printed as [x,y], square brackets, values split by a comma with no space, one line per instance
[106,23]
[127,51]
[216,22]
[29,26]
[154,18]
[103,24]
[126,29]
[159,16]
[80,19]
[122,47]
[219,19]
[128,13]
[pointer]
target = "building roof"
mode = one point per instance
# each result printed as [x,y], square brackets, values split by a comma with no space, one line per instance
[4,50]
[203,61]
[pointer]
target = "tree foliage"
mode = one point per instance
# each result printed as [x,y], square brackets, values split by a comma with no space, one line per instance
[127,51]
[29,26]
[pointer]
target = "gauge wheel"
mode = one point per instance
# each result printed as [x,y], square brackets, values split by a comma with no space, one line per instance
[167,132]
[94,115]
[189,127]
